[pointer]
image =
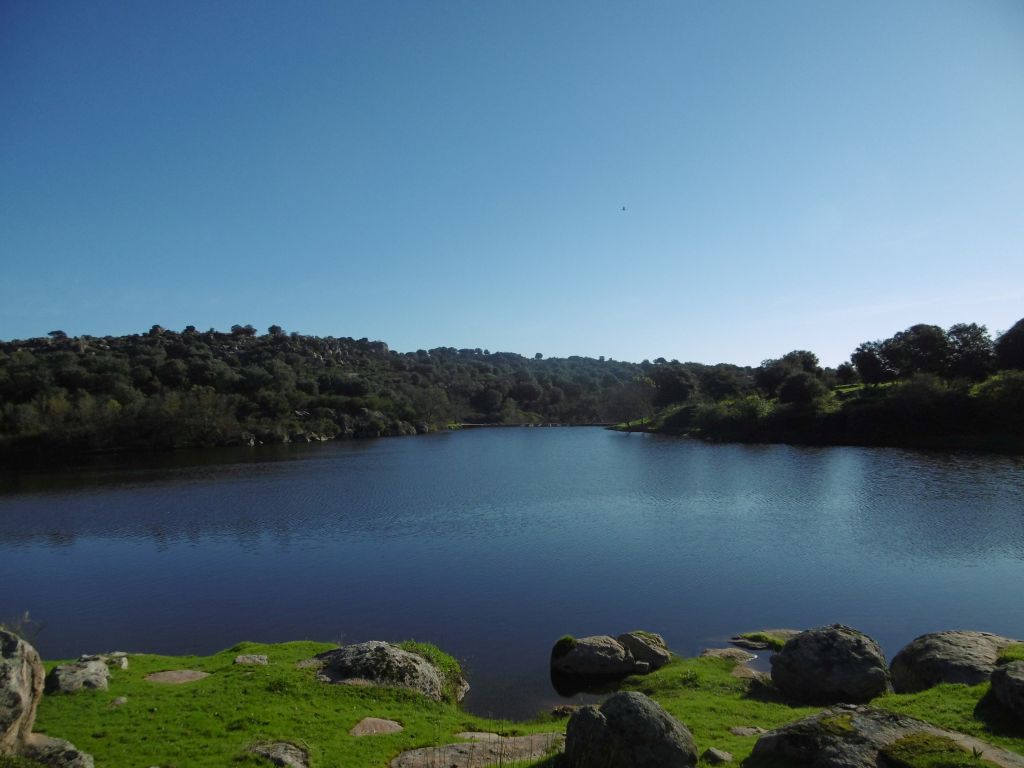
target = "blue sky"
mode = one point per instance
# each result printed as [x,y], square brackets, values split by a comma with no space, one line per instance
[796,175]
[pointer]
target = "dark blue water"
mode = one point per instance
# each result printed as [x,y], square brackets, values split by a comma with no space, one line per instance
[493,543]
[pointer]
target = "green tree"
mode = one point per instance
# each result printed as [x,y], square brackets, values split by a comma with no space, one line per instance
[971,351]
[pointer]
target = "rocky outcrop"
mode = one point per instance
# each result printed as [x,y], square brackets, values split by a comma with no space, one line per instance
[22,683]
[829,665]
[481,749]
[21,686]
[764,639]
[1008,687]
[373,726]
[176,676]
[383,664]
[252,659]
[863,737]
[602,657]
[282,753]
[646,647]
[946,657]
[56,753]
[629,730]
[730,654]
[67,678]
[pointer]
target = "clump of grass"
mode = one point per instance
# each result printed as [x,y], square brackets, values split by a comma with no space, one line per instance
[450,669]
[772,641]
[1012,652]
[563,646]
[926,750]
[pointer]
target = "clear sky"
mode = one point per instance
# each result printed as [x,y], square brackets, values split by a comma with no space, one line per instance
[795,175]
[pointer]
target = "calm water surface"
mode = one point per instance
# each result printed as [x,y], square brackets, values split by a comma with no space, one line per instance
[493,543]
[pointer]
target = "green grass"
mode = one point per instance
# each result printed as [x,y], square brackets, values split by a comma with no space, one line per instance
[564,644]
[451,671]
[1012,652]
[923,750]
[212,721]
[773,641]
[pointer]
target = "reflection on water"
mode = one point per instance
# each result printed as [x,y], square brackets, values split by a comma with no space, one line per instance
[494,543]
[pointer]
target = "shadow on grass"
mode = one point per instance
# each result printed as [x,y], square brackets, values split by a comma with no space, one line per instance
[997,719]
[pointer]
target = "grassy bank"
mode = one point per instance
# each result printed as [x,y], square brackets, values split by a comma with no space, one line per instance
[211,722]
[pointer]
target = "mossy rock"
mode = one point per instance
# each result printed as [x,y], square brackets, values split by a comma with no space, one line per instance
[927,750]
[563,646]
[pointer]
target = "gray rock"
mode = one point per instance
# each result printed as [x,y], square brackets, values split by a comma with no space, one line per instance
[384,664]
[758,645]
[372,726]
[946,657]
[747,730]
[252,659]
[176,676]
[56,753]
[281,753]
[830,665]
[66,678]
[1008,687]
[629,730]
[646,646]
[120,701]
[854,736]
[596,656]
[482,749]
[21,686]
[714,756]
[732,654]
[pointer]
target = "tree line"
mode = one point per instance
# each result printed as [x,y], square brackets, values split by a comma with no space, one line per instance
[168,389]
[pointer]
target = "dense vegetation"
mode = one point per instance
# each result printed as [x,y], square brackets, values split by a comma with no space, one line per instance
[165,389]
[924,386]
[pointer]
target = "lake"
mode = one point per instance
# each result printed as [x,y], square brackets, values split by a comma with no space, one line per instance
[492,543]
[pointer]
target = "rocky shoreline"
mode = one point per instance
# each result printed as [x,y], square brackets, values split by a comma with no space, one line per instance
[836,668]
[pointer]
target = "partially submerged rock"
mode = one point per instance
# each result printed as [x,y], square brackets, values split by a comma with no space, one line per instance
[646,647]
[384,664]
[829,665]
[864,737]
[481,749]
[1008,687]
[764,639]
[66,678]
[630,730]
[956,656]
[732,654]
[281,753]
[21,686]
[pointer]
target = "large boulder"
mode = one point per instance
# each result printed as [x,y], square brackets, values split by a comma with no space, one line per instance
[383,664]
[55,753]
[864,737]
[1008,687]
[829,665]
[597,656]
[21,686]
[66,678]
[646,647]
[946,657]
[629,730]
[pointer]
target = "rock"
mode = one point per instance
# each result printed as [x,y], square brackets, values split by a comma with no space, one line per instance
[714,756]
[117,659]
[629,730]
[946,657]
[252,659]
[864,737]
[483,749]
[384,664]
[597,656]
[282,753]
[830,665]
[646,647]
[1008,687]
[21,687]
[783,635]
[746,730]
[65,678]
[176,676]
[120,701]
[55,752]
[732,654]
[561,711]
[371,726]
